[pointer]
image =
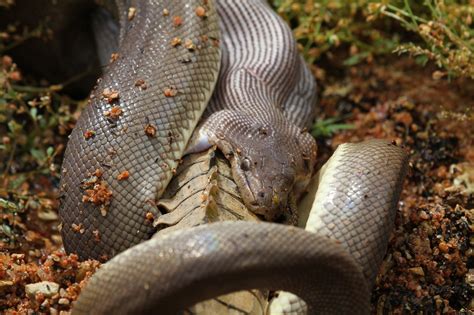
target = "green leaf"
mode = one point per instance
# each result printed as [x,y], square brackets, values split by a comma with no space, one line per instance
[14,184]
[422,60]
[14,127]
[338,127]
[8,205]
[7,230]
[328,127]
[50,151]
[38,155]
[355,59]
[34,113]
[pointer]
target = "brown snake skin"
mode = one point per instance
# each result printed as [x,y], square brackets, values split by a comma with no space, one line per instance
[264,98]
[104,215]
[229,256]
[183,267]
[353,200]
[121,144]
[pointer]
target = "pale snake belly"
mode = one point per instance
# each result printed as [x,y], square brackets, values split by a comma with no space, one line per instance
[263,98]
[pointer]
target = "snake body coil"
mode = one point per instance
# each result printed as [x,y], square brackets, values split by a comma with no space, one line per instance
[142,132]
[264,98]
[125,146]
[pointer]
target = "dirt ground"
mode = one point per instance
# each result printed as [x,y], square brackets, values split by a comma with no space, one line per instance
[429,264]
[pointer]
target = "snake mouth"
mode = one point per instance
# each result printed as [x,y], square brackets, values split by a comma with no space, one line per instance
[260,203]
[270,208]
[266,203]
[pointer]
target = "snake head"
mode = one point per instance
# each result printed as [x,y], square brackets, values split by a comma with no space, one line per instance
[268,166]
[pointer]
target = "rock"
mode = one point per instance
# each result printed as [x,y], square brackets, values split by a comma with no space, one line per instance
[417,271]
[63,301]
[47,288]
[5,284]
[48,215]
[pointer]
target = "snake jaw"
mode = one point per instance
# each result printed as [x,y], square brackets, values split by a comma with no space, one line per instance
[264,185]
[266,161]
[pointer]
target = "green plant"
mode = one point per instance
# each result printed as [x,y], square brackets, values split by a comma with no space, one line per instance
[328,127]
[362,29]
[446,30]
[34,122]
[322,26]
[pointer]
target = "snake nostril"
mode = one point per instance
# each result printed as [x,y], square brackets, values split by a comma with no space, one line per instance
[261,195]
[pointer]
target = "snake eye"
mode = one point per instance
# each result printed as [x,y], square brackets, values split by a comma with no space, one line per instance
[245,165]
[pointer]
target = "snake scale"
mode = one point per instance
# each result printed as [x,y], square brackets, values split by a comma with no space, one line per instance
[129,141]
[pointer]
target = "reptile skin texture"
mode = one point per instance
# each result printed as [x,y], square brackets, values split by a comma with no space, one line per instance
[264,97]
[146,58]
[127,145]
[357,197]
[331,265]
[186,266]
[354,203]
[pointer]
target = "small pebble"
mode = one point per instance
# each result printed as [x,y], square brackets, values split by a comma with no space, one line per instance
[63,301]
[47,215]
[47,288]
[5,284]
[131,13]
[417,271]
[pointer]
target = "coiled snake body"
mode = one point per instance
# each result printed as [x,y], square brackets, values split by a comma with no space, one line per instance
[128,141]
